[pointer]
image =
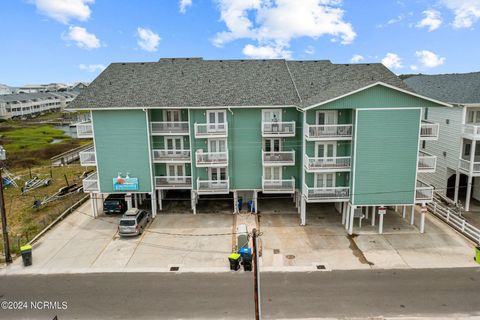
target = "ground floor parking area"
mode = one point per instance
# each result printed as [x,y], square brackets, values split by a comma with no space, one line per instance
[201,243]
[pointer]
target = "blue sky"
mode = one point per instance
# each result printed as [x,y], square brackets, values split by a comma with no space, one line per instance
[73,40]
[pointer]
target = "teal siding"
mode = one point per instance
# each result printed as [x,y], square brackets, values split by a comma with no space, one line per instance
[379,97]
[121,141]
[386,145]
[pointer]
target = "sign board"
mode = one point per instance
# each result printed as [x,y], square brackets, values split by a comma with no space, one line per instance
[382,210]
[125,184]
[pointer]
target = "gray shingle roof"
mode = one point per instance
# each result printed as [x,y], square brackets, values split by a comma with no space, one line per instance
[27,96]
[453,88]
[194,82]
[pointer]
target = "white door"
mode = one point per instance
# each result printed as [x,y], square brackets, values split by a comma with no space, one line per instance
[273,175]
[217,177]
[176,172]
[325,180]
[326,117]
[273,145]
[172,117]
[216,120]
[215,146]
[326,152]
[271,117]
[174,145]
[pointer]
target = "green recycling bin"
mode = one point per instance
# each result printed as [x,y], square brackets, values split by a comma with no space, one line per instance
[477,254]
[26,252]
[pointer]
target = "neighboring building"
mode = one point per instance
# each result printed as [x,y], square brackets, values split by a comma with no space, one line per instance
[4,89]
[315,131]
[78,87]
[30,104]
[458,148]
[36,88]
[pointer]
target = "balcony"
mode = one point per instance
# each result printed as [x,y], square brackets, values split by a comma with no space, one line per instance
[334,194]
[278,129]
[278,186]
[211,130]
[171,156]
[171,128]
[429,130]
[88,157]
[90,183]
[211,159]
[330,164]
[465,166]
[423,192]
[279,158]
[472,131]
[84,130]
[426,162]
[213,186]
[173,182]
[328,132]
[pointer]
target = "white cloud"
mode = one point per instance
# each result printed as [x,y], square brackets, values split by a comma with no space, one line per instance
[392,61]
[467,12]
[310,50]
[184,4]
[274,23]
[64,10]
[413,67]
[429,59]
[82,38]
[266,52]
[147,39]
[92,67]
[432,20]
[357,58]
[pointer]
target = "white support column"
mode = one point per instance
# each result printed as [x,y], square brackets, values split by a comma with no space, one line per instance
[380,224]
[373,215]
[350,222]
[255,201]
[412,215]
[160,200]
[235,202]
[367,212]
[404,214]
[129,200]
[457,186]
[423,211]
[303,212]
[347,216]
[140,199]
[154,203]
[93,202]
[469,193]
[344,212]
[194,202]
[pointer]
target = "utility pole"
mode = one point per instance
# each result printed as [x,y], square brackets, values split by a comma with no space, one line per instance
[3,213]
[256,277]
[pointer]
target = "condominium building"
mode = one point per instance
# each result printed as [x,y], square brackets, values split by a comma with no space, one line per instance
[29,104]
[314,131]
[458,148]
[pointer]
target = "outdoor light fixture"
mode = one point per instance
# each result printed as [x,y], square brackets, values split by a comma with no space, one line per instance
[3,154]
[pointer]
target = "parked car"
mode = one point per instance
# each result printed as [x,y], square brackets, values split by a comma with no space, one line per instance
[115,203]
[133,222]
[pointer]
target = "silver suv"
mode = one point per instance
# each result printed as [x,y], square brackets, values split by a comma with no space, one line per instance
[133,222]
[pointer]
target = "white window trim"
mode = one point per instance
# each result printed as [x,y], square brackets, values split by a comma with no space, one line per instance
[216,117]
[174,138]
[334,180]
[334,112]
[271,110]
[324,144]
[264,147]
[172,110]
[210,140]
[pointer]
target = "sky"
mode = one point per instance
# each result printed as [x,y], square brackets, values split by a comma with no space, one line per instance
[44,41]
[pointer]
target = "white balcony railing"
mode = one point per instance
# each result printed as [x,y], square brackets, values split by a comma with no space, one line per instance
[90,183]
[334,194]
[328,132]
[426,162]
[331,164]
[211,159]
[84,130]
[278,158]
[173,182]
[213,186]
[465,166]
[423,192]
[211,130]
[471,129]
[169,127]
[88,157]
[171,156]
[278,186]
[278,129]
[429,130]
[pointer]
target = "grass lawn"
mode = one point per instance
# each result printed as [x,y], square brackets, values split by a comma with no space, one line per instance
[31,138]
[24,222]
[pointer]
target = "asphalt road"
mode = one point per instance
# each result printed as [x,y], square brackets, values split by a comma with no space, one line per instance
[440,292]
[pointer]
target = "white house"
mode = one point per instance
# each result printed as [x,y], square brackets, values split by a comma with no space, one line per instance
[4,89]
[458,147]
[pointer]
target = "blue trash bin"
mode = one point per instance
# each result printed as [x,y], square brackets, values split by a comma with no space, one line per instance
[240,203]
[250,206]
[245,251]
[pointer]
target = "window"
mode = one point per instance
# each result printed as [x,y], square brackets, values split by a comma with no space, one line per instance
[467,149]
[425,114]
[424,144]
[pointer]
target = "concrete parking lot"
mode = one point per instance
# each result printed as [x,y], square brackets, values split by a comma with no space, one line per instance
[202,242]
